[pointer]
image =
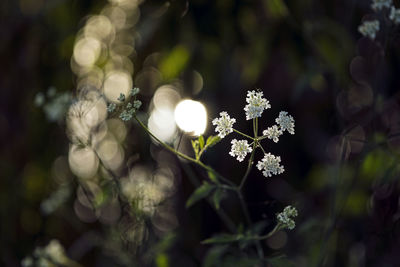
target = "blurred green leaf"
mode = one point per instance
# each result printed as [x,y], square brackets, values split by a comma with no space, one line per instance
[162,260]
[201,192]
[174,62]
[223,238]
[213,177]
[218,195]
[276,8]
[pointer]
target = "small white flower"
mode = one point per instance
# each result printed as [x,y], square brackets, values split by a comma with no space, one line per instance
[111,107]
[256,104]
[273,133]
[369,28]
[121,97]
[270,165]
[286,122]
[240,149]
[224,124]
[380,4]
[394,15]
[286,217]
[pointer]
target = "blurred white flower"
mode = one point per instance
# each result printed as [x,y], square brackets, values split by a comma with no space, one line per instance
[394,15]
[240,149]
[256,104]
[224,124]
[39,99]
[285,218]
[380,4]
[369,28]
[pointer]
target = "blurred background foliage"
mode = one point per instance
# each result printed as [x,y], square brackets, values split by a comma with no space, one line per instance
[307,57]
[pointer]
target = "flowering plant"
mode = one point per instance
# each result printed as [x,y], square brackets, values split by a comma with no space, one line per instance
[215,187]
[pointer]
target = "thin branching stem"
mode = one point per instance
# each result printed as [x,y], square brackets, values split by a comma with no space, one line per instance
[245,135]
[171,149]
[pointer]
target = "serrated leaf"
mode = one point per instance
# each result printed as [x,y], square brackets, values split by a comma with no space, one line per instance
[218,195]
[201,142]
[201,192]
[222,238]
[212,140]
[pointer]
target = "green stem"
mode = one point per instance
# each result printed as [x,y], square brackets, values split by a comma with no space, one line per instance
[260,146]
[255,127]
[276,229]
[245,135]
[171,149]
[250,164]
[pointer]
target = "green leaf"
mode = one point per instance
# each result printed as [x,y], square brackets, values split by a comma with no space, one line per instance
[212,140]
[174,62]
[201,192]
[218,195]
[195,145]
[201,142]
[223,238]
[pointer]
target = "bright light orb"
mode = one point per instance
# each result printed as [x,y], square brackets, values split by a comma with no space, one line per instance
[191,117]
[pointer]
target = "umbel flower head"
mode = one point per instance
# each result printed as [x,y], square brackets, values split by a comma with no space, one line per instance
[256,104]
[369,28]
[240,149]
[224,124]
[285,218]
[273,133]
[270,165]
[286,122]
[380,4]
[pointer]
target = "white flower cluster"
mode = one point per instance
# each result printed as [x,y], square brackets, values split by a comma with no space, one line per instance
[131,108]
[369,28]
[256,105]
[380,4]
[273,133]
[286,122]
[240,149]
[224,124]
[51,255]
[394,15]
[270,165]
[285,218]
